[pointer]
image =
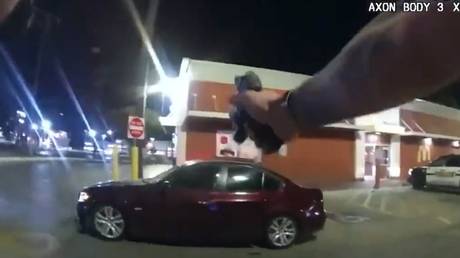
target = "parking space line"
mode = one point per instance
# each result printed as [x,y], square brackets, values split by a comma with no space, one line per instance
[444,220]
[368,200]
[354,197]
[383,205]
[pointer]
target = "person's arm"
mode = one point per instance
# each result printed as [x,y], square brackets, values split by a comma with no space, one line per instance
[388,63]
[6,6]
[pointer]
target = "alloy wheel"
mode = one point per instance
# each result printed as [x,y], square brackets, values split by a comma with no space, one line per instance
[109,222]
[282,232]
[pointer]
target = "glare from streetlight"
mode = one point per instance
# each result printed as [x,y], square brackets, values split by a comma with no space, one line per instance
[21,114]
[46,124]
[92,133]
[109,132]
[34,126]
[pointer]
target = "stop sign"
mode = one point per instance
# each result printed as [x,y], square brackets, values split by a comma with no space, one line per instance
[136,128]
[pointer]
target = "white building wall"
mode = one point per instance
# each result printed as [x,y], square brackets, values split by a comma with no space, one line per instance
[225,73]
[395,156]
[359,154]
[180,145]
[179,115]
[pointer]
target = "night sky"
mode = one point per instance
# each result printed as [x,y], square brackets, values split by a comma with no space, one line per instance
[100,52]
[295,36]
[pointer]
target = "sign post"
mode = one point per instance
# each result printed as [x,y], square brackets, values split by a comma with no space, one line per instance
[136,131]
[136,126]
[115,164]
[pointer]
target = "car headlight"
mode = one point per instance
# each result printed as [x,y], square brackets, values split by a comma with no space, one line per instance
[83,197]
[409,172]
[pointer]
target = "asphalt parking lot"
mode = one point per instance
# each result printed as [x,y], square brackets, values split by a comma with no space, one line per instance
[37,207]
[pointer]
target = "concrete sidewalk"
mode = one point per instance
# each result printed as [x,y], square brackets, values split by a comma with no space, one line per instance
[149,170]
[384,183]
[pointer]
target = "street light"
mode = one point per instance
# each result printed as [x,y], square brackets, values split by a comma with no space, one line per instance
[46,124]
[92,133]
[109,132]
[34,126]
[428,141]
[21,114]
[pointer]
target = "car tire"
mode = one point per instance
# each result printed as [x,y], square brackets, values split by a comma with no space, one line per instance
[418,180]
[107,222]
[281,232]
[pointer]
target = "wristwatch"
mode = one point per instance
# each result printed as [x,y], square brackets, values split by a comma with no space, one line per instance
[288,105]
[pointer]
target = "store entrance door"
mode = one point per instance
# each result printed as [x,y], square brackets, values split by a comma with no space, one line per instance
[374,152]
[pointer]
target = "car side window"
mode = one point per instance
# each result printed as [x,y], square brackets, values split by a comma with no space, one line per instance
[271,183]
[199,176]
[243,179]
[453,162]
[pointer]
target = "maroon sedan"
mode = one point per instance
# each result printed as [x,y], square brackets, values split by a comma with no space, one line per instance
[212,200]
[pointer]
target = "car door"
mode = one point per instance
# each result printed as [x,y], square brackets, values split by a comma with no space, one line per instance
[148,218]
[451,172]
[443,172]
[241,203]
[187,202]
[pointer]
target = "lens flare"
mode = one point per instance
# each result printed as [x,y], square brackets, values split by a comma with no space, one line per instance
[29,97]
[75,101]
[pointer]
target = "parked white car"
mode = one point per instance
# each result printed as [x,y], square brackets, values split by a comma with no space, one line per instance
[443,172]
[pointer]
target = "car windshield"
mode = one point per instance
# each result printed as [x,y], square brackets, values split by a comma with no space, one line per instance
[229,128]
[160,176]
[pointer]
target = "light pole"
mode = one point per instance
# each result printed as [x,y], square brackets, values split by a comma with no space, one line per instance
[146,31]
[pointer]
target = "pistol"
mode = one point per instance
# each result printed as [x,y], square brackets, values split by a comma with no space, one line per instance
[263,135]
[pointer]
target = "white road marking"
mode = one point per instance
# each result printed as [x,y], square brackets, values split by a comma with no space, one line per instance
[368,200]
[446,221]
[383,205]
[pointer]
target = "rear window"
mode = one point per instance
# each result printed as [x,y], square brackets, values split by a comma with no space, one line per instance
[453,161]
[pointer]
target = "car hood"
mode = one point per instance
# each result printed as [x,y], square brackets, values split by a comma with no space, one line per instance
[124,183]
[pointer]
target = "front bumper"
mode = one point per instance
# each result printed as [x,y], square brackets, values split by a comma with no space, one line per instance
[313,218]
[83,210]
[315,221]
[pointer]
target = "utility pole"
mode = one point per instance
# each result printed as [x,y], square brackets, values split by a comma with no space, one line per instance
[41,50]
[149,27]
[48,19]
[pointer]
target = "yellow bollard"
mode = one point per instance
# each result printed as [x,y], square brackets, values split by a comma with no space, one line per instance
[115,164]
[134,162]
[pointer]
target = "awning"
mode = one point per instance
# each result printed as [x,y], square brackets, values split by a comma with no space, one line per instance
[431,135]
[412,128]
[384,128]
[208,114]
[426,124]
